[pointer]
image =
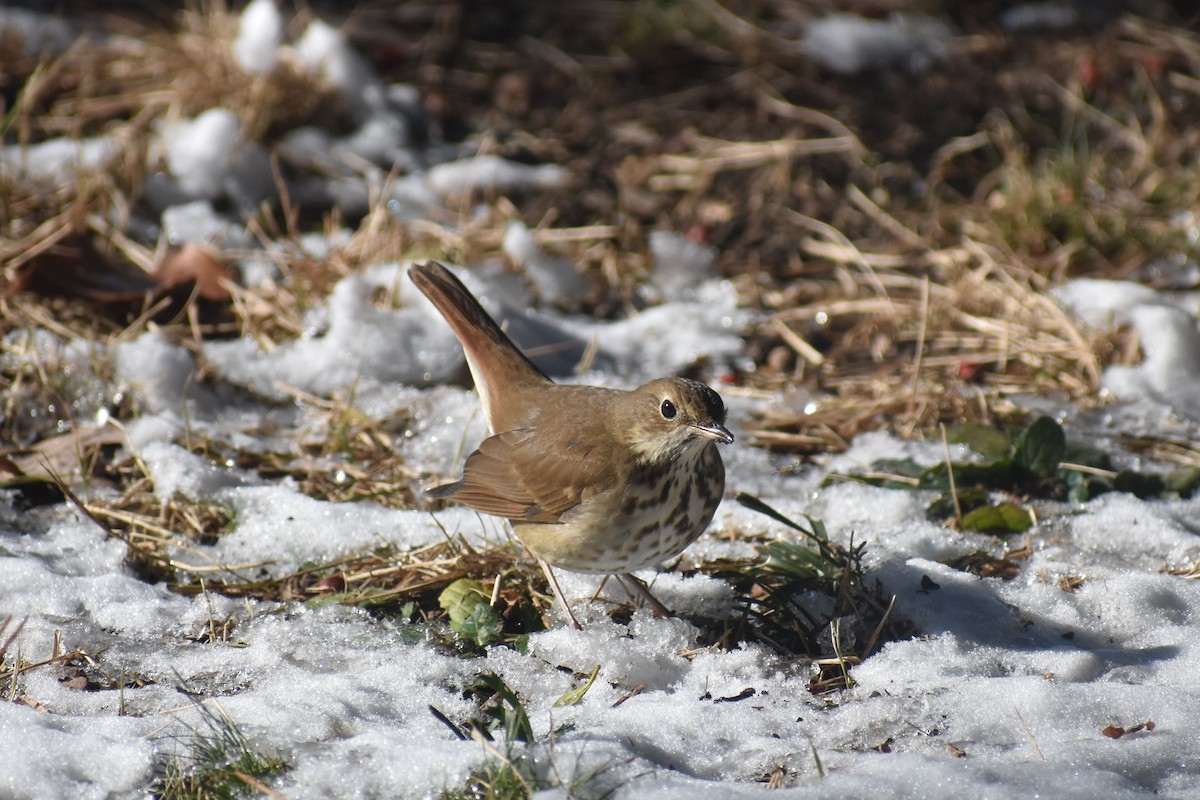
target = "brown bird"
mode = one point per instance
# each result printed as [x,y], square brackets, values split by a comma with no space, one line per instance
[593,480]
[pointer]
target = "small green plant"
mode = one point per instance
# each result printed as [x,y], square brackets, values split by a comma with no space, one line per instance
[1038,463]
[508,712]
[481,619]
[219,763]
[807,596]
[498,778]
[470,612]
[520,767]
[506,775]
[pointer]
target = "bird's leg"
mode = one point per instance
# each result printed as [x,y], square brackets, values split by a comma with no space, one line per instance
[639,587]
[600,588]
[553,581]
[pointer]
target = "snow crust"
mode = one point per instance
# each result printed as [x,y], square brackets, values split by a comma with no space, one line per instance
[849,44]
[1021,676]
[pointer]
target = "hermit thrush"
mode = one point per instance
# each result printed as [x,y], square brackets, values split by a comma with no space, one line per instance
[593,480]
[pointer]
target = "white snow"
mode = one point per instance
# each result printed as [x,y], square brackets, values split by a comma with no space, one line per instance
[198,221]
[361,345]
[325,51]
[1168,378]
[679,263]
[200,150]
[1022,676]
[207,158]
[849,44]
[556,279]
[57,159]
[1039,16]
[493,173]
[260,32]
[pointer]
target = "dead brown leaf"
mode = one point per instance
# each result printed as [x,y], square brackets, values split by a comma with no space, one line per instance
[1116,731]
[195,265]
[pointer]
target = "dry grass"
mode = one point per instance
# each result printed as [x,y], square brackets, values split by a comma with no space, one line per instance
[897,293]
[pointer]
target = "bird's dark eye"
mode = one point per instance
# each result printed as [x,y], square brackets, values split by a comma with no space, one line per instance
[668,409]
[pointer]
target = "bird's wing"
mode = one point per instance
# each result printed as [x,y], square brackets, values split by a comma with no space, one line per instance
[523,476]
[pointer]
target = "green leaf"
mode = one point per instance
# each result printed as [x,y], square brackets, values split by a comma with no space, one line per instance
[982,439]
[997,476]
[798,561]
[1001,517]
[969,499]
[460,599]
[482,627]
[471,615]
[1182,482]
[1040,447]
[573,696]
[511,711]
[754,504]
[1082,486]
[324,600]
[904,467]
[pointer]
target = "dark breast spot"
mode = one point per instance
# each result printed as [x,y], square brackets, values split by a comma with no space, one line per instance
[644,531]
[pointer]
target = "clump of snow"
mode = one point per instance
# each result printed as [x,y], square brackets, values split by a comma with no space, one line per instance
[1170,372]
[207,158]
[493,173]
[281,530]
[58,160]
[1169,375]
[176,471]
[198,221]
[260,32]
[362,345]
[161,375]
[383,140]
[1039,16]
[679,263]
[669,338]
[358,346]
[1103,304]
[557,280]
[327,53]
[849,44]
[171,403]
[200,150]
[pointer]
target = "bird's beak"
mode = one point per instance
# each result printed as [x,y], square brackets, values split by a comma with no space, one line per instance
[715,431]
